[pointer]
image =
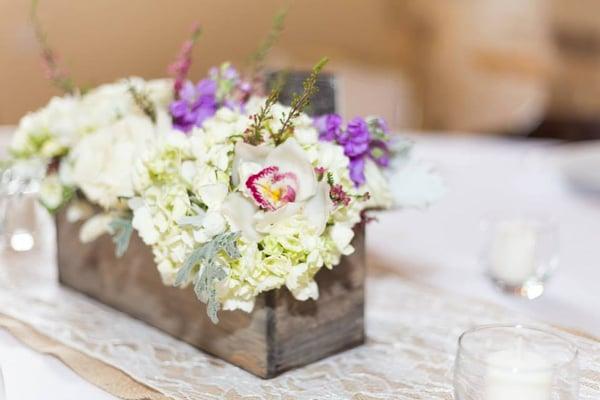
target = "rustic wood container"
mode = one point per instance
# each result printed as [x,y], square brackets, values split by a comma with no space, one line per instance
[280,334]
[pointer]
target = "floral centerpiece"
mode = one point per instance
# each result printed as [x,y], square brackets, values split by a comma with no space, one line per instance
[235,193]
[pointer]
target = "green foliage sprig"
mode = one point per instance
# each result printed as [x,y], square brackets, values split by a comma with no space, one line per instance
[257,59]
[143,101]
[254,133]
[55,73]
[210,269]
[121,229]
[299,103]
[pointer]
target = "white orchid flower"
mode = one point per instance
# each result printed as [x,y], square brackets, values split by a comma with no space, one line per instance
[273,185]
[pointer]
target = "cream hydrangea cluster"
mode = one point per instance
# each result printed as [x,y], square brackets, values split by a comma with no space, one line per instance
[97,134]
[195,187]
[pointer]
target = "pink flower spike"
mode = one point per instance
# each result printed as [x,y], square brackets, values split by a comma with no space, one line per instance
[180,67]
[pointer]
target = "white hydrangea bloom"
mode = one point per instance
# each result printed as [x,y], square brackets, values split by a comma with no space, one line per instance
[49,131]
[101,161]
[211,170]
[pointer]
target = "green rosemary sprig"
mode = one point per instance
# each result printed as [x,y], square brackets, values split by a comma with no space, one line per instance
[254,133]
[142,100]
[299,103]
[330,180]
[55,73]
[256,60]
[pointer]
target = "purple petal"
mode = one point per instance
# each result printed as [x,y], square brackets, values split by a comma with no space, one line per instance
[357,171]
[358,131]
[329,126]
[230,73]
[178,108]
[206,87]
[188,92]
[245,87]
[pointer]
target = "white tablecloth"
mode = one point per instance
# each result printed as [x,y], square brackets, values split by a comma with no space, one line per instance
[438,247]
[441,246]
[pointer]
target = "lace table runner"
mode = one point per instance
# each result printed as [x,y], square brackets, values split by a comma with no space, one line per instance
[412,332]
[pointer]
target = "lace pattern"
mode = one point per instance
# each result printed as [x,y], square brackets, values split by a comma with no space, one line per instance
[412,337]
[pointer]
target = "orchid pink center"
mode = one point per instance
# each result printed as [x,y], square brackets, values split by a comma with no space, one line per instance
[272,189]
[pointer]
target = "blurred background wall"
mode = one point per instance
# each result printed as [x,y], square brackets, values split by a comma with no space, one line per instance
[486,66]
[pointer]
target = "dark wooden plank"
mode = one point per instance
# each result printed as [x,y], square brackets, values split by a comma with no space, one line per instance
[281,333]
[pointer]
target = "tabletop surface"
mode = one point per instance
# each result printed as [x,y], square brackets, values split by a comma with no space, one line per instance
[439,246]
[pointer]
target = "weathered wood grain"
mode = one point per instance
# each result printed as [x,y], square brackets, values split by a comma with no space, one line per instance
[280,334]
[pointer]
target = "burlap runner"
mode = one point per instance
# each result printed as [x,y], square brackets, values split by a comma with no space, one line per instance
[106,377]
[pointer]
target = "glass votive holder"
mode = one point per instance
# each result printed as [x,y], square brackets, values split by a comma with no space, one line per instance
[520,253]
[19,207]
[515,362]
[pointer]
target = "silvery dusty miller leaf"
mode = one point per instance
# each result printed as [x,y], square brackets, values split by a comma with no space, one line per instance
[209,271]
[121,229]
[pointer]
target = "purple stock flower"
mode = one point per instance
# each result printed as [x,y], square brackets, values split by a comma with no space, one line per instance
[361,140]
[357,170]
[355,141]
[329,127]
[356,138]
[194,105]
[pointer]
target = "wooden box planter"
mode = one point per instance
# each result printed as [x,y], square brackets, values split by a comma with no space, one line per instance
[281,333]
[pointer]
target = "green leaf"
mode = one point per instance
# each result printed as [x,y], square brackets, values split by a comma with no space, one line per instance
[208,258]
[204,286]
[121,229]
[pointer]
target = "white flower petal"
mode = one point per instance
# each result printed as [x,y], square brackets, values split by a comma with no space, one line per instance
[266,220]
[318,208]
[244,153]
[342,236]
[213,223]
[290,157]
[238,304]
[213,195]
[239,212]
[188,171]
[377,186]
[94,227]
[144,225]
[301,286]
[79,210]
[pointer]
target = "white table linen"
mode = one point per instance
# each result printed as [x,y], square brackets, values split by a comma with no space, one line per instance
[441,247]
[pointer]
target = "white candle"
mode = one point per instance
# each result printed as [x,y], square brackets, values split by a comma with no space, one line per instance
[512,252]
[518,375]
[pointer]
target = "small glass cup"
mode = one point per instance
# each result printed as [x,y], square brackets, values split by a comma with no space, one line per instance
[19,185]
[515,362]
[520,253]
